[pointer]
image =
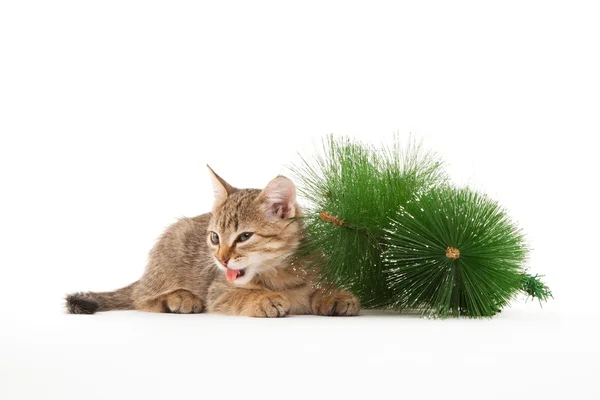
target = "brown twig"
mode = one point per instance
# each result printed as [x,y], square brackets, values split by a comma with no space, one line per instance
[332,219]
[452,253]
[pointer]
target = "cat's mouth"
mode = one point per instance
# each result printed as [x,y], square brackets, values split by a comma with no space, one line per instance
[233,274]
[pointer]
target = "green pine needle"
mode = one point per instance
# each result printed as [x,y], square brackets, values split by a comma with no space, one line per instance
[484,276]
[533,287]
[362,186]
[384,223]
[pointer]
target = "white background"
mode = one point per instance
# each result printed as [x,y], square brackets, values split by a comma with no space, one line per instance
[110,110]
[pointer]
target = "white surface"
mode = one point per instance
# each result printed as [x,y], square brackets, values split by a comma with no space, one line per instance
[522,354]
[109,111]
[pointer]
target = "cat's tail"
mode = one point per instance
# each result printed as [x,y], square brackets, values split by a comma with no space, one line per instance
[90,302]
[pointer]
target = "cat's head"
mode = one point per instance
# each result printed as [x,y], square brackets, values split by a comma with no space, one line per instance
[252,231]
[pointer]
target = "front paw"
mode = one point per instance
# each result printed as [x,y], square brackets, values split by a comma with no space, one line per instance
[269,305]
[335,303]
[183,302]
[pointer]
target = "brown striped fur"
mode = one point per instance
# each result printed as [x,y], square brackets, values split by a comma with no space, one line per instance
[184,274]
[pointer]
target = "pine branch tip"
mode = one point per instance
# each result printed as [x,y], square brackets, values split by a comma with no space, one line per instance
[533,287]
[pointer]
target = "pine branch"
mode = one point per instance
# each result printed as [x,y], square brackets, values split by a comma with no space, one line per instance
[358,186]
[384,223]
[533,287]
[453,252]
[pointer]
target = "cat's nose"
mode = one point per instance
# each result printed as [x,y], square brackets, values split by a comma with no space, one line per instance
[224,262]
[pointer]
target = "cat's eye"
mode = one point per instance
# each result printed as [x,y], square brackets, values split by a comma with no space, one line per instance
[214,238]
[245,236]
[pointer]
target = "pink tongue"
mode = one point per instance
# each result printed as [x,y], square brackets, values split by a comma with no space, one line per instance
[231,274]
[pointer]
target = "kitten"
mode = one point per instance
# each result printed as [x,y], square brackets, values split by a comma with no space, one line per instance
[236,260]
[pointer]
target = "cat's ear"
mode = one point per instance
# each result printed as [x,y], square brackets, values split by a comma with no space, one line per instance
[221,188]
[280,198]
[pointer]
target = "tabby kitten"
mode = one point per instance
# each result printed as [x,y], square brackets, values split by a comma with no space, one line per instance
[236,260]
